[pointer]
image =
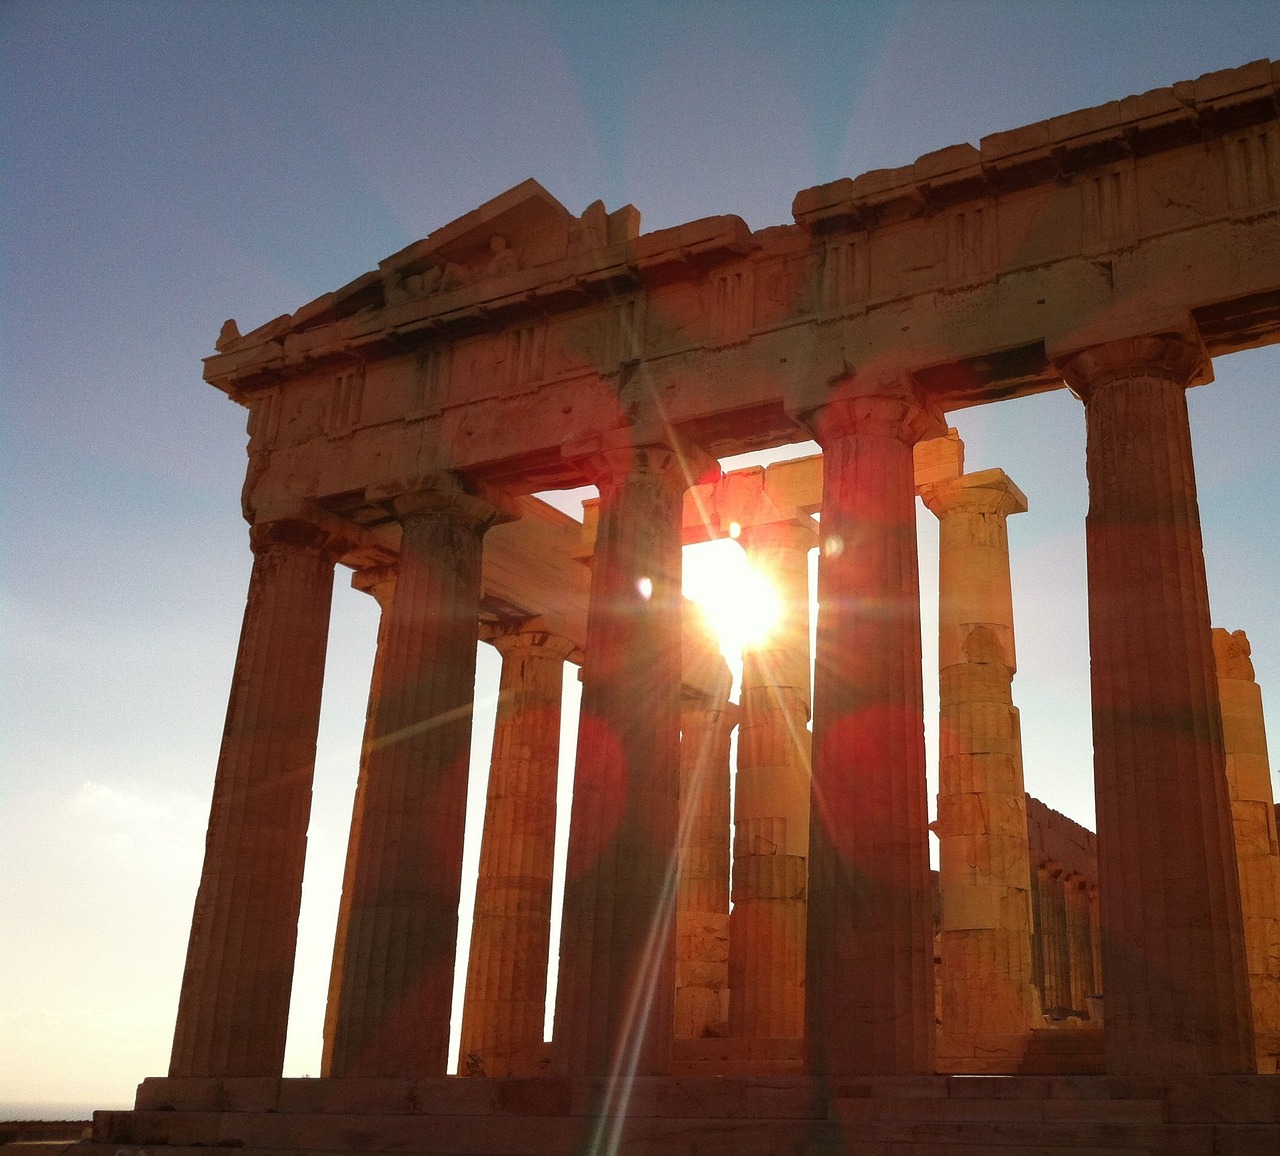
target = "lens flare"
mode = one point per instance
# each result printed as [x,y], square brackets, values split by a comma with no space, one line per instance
[741,605]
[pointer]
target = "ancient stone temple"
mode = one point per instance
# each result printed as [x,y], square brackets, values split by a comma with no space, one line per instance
[755,958]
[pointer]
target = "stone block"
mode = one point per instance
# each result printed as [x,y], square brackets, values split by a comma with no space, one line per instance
[881,187]
[1086,124]
[999,1088]
[1227,83]
[1157,103]
[1251,779]
[938,459]
[1246,1140]
[971,907]
[821,199]
[181,1093]
[262,1129]
[450,1096]
[303,1095]
[146,1127]
[695,1097]
[1224,1099]
[950,165]
[353,1094]
[249,1094]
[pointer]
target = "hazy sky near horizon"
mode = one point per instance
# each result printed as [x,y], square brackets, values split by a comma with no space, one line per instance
[172,164]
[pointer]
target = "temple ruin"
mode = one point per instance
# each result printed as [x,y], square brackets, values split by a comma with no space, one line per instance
[1049,991]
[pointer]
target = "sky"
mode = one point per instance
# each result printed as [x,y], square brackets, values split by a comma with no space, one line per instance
[168,165]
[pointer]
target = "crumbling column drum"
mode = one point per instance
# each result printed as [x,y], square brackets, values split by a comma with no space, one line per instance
[505,1003]
[396,990]
[702,911]
[771,801]
[1173,965]
[234,1006]
[988,997]
[1254,825]
[870,911]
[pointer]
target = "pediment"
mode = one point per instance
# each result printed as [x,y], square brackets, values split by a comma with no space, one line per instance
[532,223]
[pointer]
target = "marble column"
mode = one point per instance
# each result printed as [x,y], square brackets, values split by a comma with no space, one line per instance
[1056,993]
[702,908]
[771,800]
[1079,943]
[392,1017]
[870,993]
[615,994]
[1173,951]
[380,582]
[985,875]
[1095,943]
[234,1006]
[505,1003]
[1257,847]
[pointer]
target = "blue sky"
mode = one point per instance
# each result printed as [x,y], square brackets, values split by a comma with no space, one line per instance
[169,165]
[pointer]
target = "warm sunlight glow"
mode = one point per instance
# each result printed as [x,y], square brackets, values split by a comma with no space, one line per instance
[741,605]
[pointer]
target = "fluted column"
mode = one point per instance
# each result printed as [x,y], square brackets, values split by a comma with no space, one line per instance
[1079,943]
[1173,953]
[505,1003]
[1095,944]
[1257,847]
[771,800]
[1056,993]
[614,1001]
[869,995]
[397,981]
[702,908]
[380,582]
[985,875]
[234,1006]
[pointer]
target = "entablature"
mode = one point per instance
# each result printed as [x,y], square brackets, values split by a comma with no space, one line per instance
[519,329]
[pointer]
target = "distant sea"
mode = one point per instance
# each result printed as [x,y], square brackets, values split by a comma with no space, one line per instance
[55,1109]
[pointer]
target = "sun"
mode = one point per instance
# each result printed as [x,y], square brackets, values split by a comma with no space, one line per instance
[741,605]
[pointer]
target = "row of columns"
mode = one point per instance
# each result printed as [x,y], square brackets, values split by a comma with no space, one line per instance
[1066,955]
[1172,939]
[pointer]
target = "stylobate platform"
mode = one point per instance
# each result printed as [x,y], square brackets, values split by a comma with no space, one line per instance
[734,1116]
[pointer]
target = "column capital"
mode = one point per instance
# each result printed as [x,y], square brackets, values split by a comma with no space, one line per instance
[1231,654]
[300,534]
[445,493]
[468,508]
[983,492]
[894,409]
[1177,357]
[617,455]
[529,636]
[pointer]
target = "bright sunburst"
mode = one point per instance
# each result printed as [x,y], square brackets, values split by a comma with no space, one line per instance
[740,604]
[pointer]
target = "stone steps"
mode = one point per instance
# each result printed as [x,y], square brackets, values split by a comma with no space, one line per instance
[908,1116]
[1050,1051]
[894,1131]
[561,1136]
[36,1147]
